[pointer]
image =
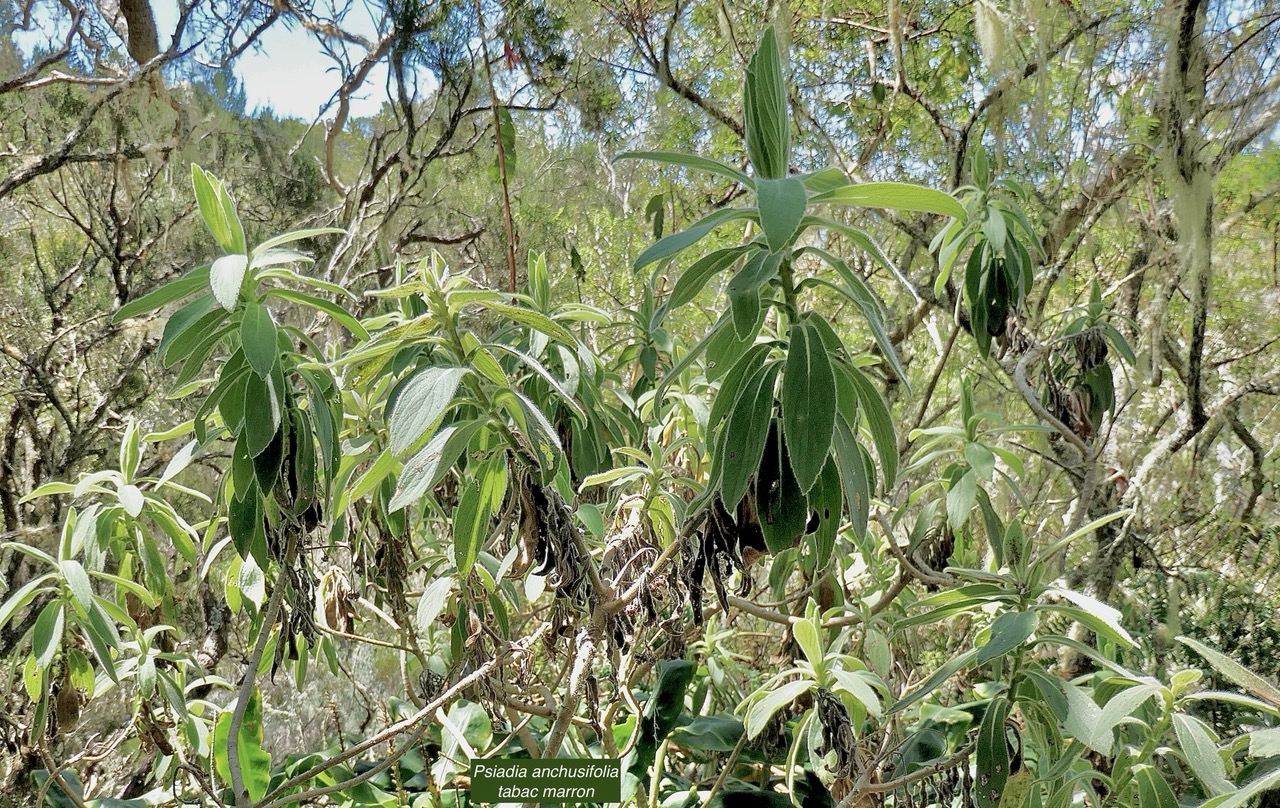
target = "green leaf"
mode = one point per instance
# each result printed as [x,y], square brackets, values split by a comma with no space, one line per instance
[931,684]
[1245,793]
[806,636]
[1234,671]
[781,204]
[981,459]
[1120,343]
[46,637]
[274,258]
[1264,743]
[419,402]
[295,235]
[104,638]
[1202,754]
[745,434]
[183,320]
[853,477]
[258,338]
[878,421]
[1153,790]
[147,677]
[432,602]
[667,701]
[690,161]
[255,762]
[190,283]
[261,413]
[538,368]
[894,196]
[768,126]
[320,304]
[808,402]
[992,755]
[33,678]
[1008,631]
[535,320]
[676,242]
[507,139]
[78,582]
[960,499]
[131,500]
[430,463]
[712,733]
[470,527]
[1100,612]
[693,279]
[763,709]
[731,385]
[744,293]
[22,596]
[226,276]
[857,290]
[1095,727]
[860,685]
[208,199]
[824,179]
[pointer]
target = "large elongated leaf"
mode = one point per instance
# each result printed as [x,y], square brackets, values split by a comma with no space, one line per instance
[190,283]
[744,293]
[183,320]
[992,755]
[189,342]
[255,762]
[226,276]
[857,290]
[258,338]
[209,195]
[676,242]
[781,204]
[47,634]
[535,320]
[1009,631]
[1095,727]
[853,477]
[878,420]
[1153,790]
[262,413]
[731,385]
[1107,615]
[295,235]
[745,434]
[768,125]
[320,304]
[429,465]
[808,403]
[419,403]
[469,522]
[712,733]
[1242,796]
[1202,754]
[762,710]
[931,684]
[693,279]
[894,196]
[1234,671]
[690,161]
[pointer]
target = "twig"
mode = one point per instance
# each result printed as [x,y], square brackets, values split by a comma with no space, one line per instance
[507,221]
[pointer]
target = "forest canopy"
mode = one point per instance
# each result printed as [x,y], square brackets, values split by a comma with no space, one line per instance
[838,405]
